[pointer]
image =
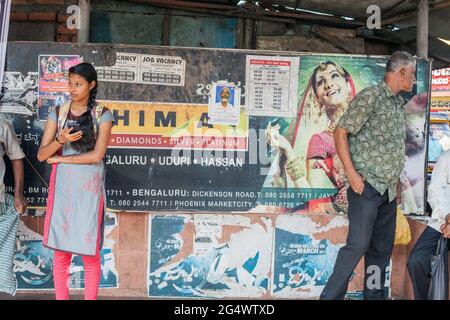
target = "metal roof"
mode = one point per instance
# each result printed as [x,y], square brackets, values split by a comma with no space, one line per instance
[398,17]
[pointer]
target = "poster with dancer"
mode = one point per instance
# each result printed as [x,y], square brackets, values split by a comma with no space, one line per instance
[53,81]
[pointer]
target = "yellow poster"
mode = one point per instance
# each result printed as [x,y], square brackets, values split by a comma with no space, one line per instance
[147,125]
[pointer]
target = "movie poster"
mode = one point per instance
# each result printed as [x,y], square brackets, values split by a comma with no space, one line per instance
[19,93]
[33,262]
[53,81]
[439,130]
[306,173]
[305,250]
[203,256]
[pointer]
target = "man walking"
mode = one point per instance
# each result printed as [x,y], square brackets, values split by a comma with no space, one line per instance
[370,141]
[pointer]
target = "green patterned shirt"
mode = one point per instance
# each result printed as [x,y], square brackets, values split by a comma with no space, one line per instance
[375,120]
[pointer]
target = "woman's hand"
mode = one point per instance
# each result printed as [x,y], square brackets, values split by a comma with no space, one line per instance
[321,164]
[54,159]
[276,140]
[65,135]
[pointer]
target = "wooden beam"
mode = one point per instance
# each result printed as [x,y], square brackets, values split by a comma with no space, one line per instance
[422,28]
[240,34]
[381,39]
[85,12]
[166,27]
[248,33]
[188,4]
[393,7]
[338,44]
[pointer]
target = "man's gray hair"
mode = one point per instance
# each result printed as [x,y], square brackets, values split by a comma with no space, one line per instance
[399,59]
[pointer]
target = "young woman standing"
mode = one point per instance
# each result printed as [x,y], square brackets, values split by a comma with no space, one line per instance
[75,140]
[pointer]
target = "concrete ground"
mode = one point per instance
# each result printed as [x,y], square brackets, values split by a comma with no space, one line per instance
[40,296]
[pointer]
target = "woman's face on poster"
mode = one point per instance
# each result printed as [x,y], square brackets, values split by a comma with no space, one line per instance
[331,87]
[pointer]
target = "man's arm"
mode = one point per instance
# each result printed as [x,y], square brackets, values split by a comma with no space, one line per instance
[342,147]
[19,202]
[437,196]
[16,155]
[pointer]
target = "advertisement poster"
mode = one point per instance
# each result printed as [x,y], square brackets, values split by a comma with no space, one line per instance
[271,85]
[33,263]
[305,250]
[146,125]
[439,136]
[165,154]
[305,164]
[53,81]
[145,69]
[265,164]
[222,267]
[440,80]
[19,93]
[224,104]
[440,103]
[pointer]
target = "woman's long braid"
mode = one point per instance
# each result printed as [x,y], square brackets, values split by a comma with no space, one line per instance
[91,101]
[87,142]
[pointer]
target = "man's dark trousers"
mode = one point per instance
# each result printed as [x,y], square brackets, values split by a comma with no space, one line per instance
[419,262]
[372,221]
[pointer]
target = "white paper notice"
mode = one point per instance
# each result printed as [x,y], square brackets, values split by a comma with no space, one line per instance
[271,85]
[224,104]
[164,70]
[126,69]
[208,231]
[145,69]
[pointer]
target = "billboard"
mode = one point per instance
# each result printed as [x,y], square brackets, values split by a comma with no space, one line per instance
[227,130]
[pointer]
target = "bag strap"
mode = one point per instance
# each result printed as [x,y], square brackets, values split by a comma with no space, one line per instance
[64,112]
[62,115]
[442,244]
[97,110]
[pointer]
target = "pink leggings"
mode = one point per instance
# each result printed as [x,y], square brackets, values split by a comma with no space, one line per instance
[92,271]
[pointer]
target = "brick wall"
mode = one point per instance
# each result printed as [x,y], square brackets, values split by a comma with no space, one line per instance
[41,20]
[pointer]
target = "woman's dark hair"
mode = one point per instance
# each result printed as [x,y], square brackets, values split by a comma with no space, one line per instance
[87,142]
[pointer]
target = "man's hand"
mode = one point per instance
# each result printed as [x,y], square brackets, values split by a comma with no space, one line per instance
[399,193]
[445,227]
[356,181]
[20,204]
